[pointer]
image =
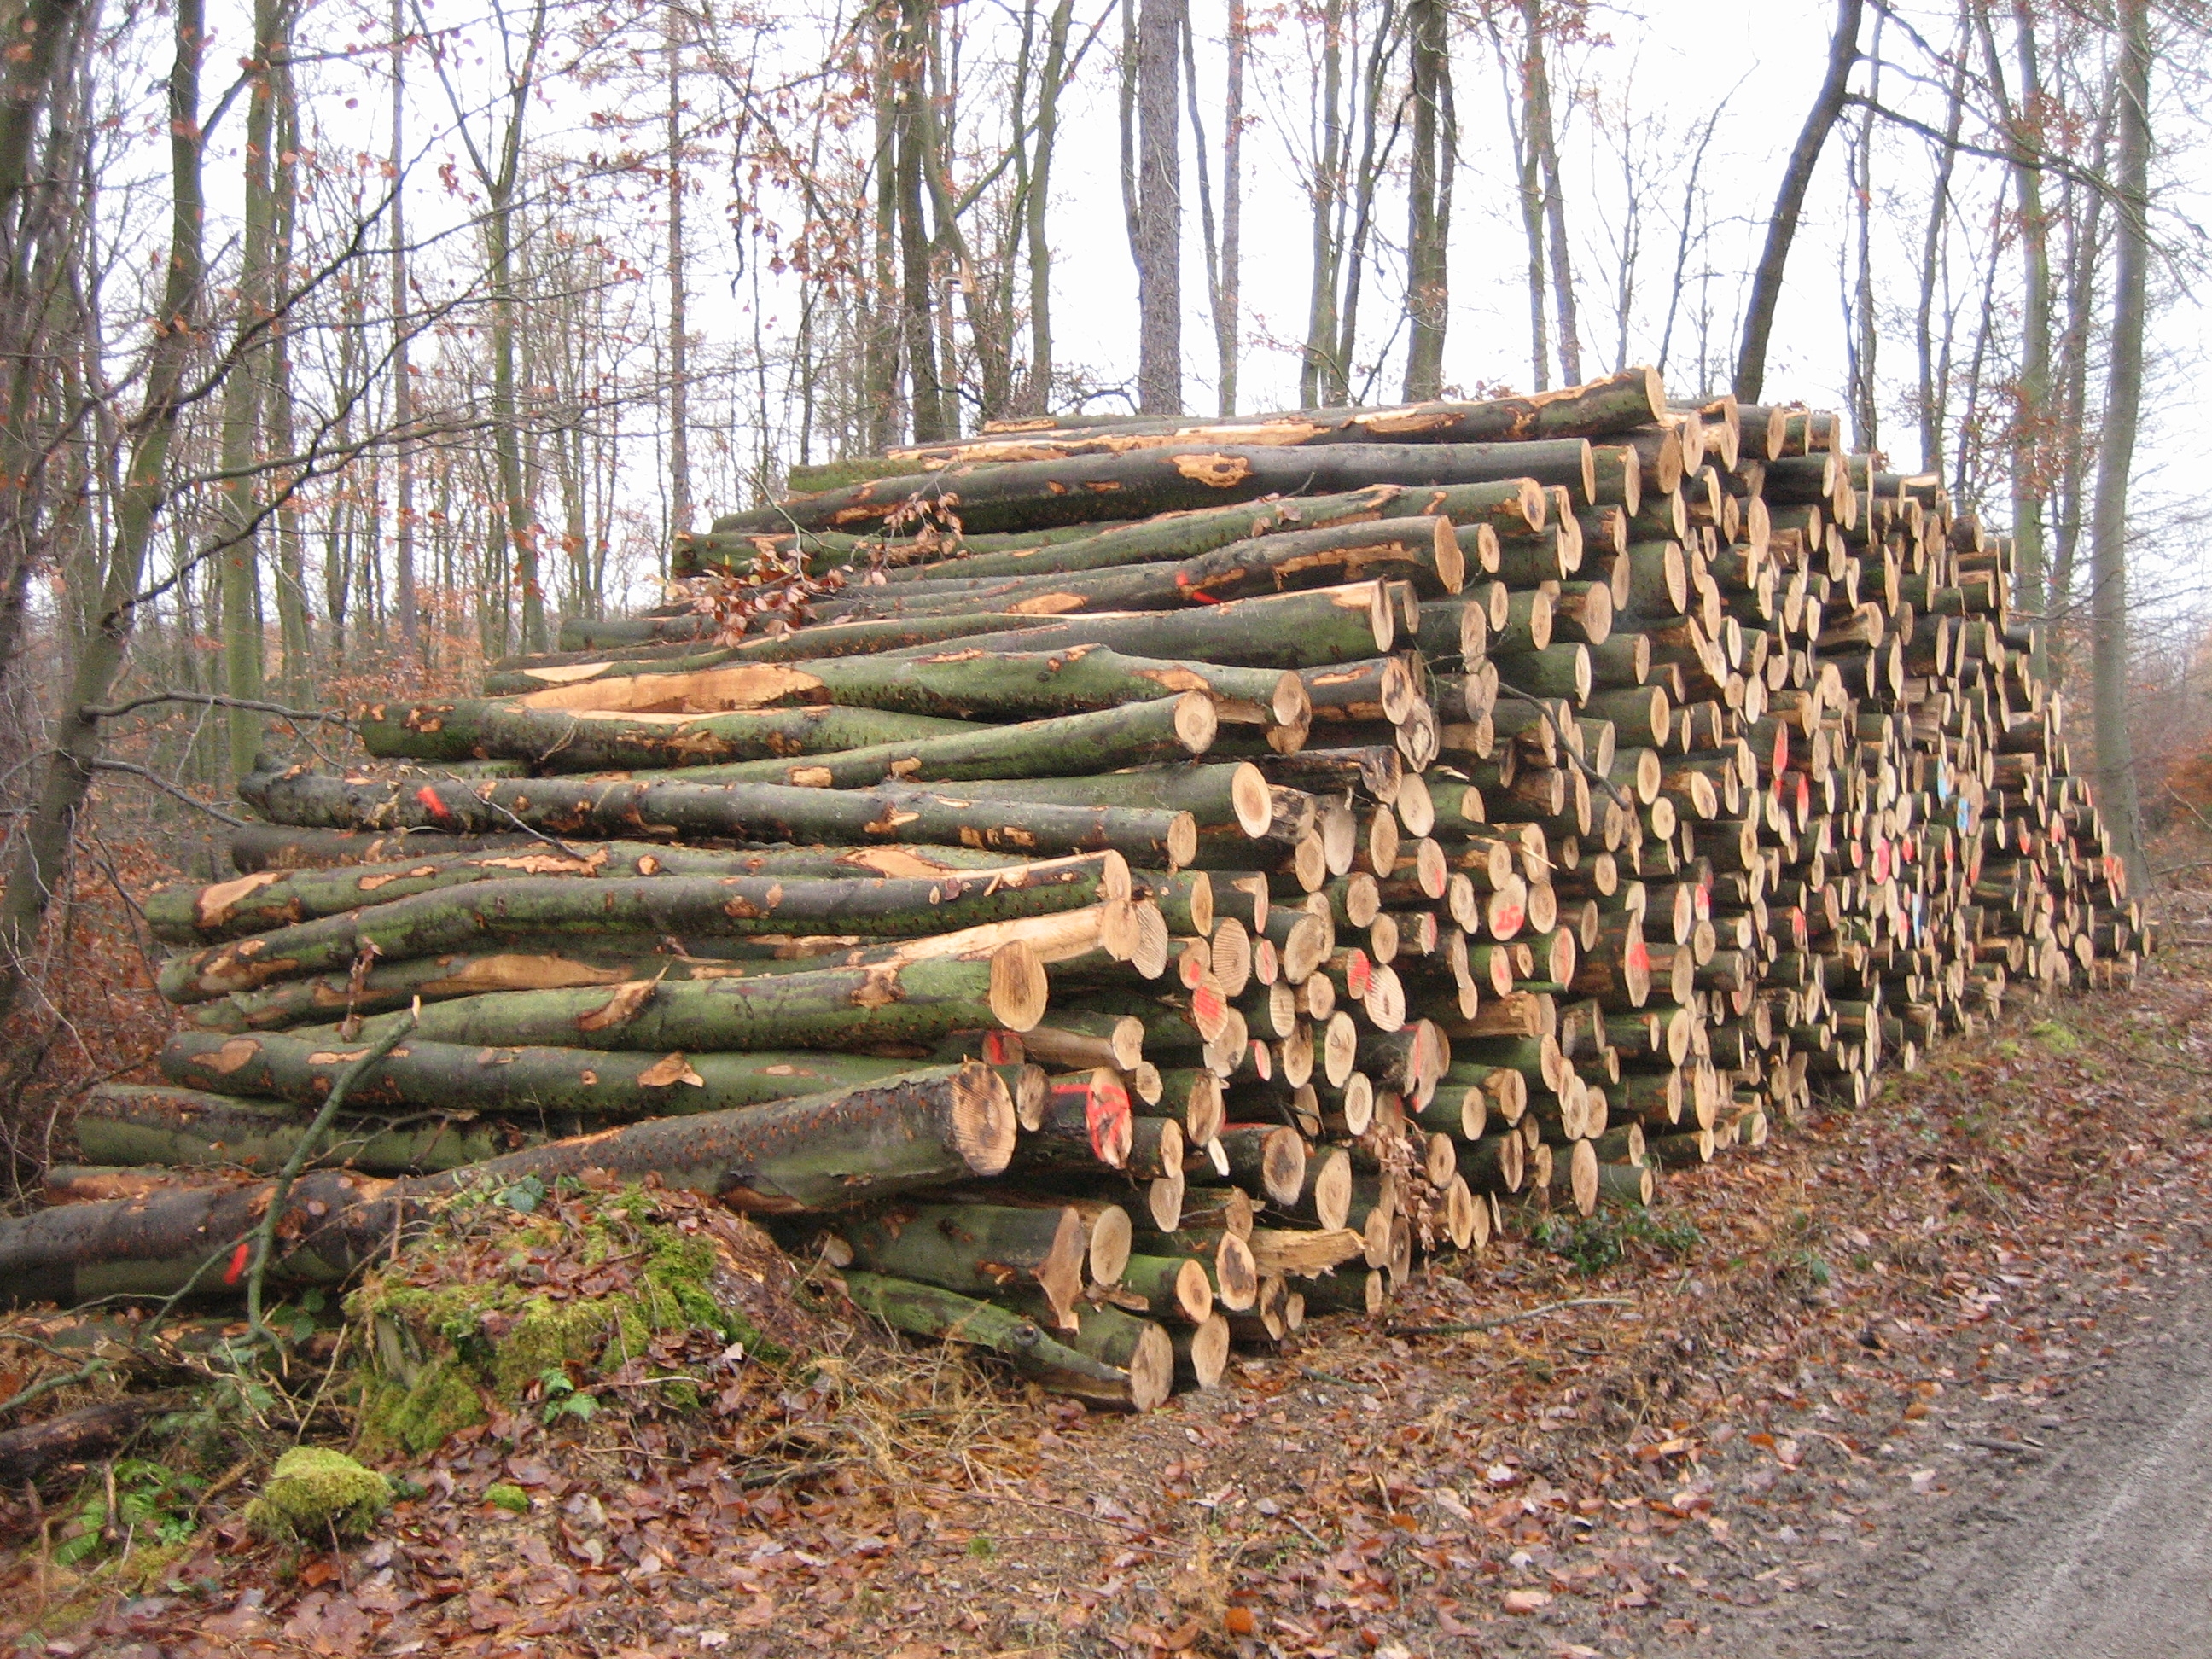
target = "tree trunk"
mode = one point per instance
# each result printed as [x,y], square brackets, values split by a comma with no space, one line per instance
[1790,201]
[1159,209]
[980,1248]
[1133,734]
[559,740]
[241,399]
[954,685]
[1228,346]
[409,604]
[132,1123]
[2116,781]
[1037,201]
[1428,228]
[679,347]
[1325,190]
[945,1315]
[1544,145]
[39,868]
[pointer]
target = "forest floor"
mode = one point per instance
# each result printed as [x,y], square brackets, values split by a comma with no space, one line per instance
[1928,1376]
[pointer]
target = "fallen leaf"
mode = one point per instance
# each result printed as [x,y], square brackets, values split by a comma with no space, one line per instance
[672,1070]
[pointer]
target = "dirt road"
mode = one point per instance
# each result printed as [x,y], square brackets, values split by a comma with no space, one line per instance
[2093,1541]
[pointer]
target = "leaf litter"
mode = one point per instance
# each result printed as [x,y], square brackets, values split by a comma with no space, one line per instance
[1655,1423]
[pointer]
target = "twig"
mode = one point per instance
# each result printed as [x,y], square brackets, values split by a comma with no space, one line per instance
[265,1235]
[83,1373]
[166,788]
[1467,1326]
[209,700]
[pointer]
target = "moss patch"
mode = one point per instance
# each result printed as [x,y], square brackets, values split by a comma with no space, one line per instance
[315,1493]
[501,1307]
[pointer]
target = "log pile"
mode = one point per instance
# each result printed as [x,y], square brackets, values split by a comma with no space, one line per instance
[1178,876]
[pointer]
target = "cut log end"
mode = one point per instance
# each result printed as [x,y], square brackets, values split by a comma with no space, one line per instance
[1110,1236]
[1020,990]
[1197,721]
[1202,1352]
[1152,1368]
[1250,797]
[984,1123]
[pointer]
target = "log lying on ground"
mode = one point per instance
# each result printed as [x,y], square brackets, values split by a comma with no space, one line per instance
[825,1151]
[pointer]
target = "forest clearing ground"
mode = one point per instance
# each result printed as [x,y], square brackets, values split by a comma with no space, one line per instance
[1777,1424]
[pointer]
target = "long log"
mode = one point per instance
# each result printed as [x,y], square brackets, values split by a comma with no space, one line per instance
[1108,932]
[959,683]
[586,741]
[533,907]
[758,811]
[893,1003]
[345,874]
[1619,404]
[1133,734]
[928,1310]
[1423,551]
[528,1081]
[1033,494]
[130,1123]
[818,1152]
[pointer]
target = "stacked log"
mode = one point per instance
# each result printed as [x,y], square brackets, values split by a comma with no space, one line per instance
[1181,875]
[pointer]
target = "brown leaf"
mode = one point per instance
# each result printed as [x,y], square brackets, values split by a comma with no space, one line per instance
[620,1008]
[672,1070]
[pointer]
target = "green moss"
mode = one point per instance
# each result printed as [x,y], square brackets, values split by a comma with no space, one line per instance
[414,1418]
[513,1499]
[444,1352]
[837,475]
[547,1335]
[315,1494]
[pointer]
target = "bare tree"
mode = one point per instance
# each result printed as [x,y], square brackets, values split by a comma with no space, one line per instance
[1159,208]
[42,851]
[1820,116]
[1428,191]
[2124,385]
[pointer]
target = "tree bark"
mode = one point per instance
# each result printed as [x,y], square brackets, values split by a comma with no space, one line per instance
[132,1123]
[818,1152]
[1159,208]
[1790,201]
[737,812]
[945,1315]
[2115,775]
[1085,488]
[592,740]
[296,876]
[449,918]
[38,869]
[1133,734]
[955,685]
[1428,199]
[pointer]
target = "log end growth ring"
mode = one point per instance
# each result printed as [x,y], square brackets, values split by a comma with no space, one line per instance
[983,1120]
